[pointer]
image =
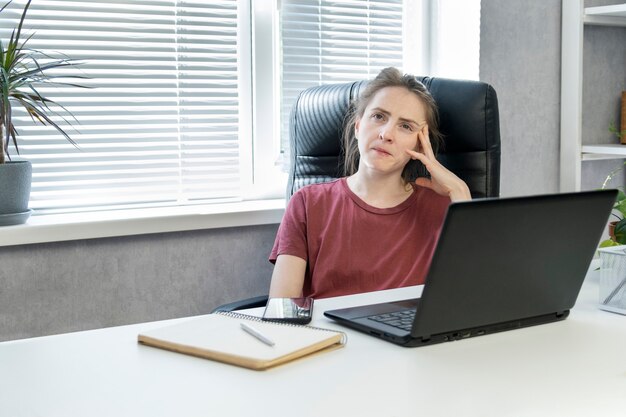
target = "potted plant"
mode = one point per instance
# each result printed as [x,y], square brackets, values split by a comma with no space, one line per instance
[621,135]
[617,228]
[22,71]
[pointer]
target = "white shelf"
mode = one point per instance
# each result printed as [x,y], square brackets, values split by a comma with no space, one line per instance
[613,10]
[574,19]
[608,151]
[614,15]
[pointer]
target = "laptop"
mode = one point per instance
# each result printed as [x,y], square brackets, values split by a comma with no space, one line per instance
[500,264]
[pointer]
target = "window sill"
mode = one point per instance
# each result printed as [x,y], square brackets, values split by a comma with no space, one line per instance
[74,226]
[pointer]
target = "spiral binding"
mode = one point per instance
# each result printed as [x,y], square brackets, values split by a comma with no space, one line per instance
[241,316]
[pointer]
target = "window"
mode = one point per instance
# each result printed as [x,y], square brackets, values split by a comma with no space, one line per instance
[159,123]
[188,100]
[454,38]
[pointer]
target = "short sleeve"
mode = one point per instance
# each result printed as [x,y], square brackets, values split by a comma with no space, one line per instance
[291,238]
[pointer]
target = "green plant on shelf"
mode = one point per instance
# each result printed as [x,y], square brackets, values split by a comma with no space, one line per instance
[613,129]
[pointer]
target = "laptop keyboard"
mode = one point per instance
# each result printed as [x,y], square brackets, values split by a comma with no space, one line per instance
[400,319]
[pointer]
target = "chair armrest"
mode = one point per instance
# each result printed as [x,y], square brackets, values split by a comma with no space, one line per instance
[253,302]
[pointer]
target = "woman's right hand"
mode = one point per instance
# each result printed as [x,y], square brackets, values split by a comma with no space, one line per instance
[442,181]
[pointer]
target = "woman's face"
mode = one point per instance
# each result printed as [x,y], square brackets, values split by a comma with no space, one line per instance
[388,126]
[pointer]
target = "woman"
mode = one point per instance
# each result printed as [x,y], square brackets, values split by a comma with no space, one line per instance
[376,228]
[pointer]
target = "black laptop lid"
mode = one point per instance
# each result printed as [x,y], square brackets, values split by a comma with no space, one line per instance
[505,259]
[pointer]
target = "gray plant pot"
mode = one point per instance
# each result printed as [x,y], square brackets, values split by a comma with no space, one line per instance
[15,180]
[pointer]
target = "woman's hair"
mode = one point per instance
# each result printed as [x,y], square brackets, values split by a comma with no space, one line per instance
[390,77]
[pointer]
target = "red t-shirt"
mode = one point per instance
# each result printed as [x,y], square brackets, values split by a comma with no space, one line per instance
[352,247]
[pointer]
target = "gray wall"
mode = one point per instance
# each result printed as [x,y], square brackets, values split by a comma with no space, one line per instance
[67,286]
[520,56]
[520,48]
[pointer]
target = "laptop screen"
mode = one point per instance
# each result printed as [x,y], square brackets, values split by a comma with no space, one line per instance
[510,258]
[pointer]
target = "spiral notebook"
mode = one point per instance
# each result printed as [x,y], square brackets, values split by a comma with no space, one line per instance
[220,337]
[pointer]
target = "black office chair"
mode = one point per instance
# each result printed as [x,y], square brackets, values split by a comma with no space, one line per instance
[468,119]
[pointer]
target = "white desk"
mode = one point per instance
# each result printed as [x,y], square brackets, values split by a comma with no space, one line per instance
[572,368]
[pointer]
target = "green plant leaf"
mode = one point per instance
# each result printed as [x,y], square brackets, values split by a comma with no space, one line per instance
[617,133]
[620,232]
[621,207]
[609,177]
[608,243]
[5,5]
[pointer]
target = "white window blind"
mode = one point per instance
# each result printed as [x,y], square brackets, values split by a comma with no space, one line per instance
[333,41]
[159,123]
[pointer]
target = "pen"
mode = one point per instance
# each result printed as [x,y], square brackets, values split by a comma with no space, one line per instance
[256,334]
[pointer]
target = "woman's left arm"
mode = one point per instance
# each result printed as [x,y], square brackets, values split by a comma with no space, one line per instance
[441,180]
